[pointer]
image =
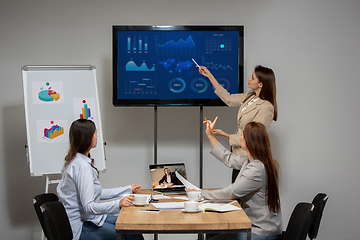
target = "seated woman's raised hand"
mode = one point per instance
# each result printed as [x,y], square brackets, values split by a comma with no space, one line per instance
[135,187]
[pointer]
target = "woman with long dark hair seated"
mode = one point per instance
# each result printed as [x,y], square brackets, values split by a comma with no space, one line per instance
[80,191]
[256,186]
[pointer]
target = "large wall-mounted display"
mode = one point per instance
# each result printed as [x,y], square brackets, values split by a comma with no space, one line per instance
[153,66]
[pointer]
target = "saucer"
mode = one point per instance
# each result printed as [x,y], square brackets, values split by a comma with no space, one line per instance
[191,211]
[139,204]
[198,200]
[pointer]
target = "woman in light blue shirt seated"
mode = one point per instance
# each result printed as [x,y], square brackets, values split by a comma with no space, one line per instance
[80,191]
[256,185]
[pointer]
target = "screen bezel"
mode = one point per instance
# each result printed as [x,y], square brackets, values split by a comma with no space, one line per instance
[173,102]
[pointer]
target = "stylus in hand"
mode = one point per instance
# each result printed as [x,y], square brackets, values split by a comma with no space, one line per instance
[196,63]
[206,121]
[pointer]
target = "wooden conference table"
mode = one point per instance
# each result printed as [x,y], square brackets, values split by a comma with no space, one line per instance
[131,221]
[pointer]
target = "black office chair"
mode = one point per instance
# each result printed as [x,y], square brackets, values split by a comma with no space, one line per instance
[40,200]
[319,202]
[299,222]
[56,221]
[234,175]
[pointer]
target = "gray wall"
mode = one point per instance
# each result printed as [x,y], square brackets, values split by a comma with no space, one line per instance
[313,47]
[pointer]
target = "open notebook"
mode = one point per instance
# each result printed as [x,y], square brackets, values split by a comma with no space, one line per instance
[164,179]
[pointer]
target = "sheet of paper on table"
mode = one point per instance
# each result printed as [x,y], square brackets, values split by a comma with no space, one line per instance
[181,198]
[214,207]
[159,196]
[169,205]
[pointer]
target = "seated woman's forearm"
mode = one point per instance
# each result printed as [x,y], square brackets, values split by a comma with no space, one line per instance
[213,141]
[93,208]
[115,192]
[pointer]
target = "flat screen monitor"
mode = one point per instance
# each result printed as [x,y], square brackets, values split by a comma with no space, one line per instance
[153,65]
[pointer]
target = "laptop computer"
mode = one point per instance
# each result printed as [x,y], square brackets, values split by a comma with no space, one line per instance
[163,179]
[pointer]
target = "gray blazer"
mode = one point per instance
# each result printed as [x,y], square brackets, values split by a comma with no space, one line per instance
[261,111]
[250,188]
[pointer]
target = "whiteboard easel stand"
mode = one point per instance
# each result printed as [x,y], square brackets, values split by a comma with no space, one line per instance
[73,84]
[48,181]
[27,68]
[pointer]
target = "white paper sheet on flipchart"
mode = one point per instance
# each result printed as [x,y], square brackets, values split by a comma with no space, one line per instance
[186,183]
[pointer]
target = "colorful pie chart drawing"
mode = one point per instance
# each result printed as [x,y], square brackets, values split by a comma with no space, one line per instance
[48,95]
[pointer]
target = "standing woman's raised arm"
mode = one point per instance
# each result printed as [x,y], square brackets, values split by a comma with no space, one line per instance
[205,72]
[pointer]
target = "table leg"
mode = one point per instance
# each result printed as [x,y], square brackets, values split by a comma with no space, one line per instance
[201,236]
[248,235]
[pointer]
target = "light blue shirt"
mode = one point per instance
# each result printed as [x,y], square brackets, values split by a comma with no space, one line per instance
[80,192]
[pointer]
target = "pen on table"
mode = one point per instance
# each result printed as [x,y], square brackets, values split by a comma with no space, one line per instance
[149,210]
[196,63]
[209,125]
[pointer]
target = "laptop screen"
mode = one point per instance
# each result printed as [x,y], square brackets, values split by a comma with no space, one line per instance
[163,176]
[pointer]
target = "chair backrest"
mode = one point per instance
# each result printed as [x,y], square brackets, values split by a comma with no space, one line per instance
[40,200]
[56,221]
[299,222]
[319,202]
[234,175]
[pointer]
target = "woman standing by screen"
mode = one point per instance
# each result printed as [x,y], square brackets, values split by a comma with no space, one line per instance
[259,105]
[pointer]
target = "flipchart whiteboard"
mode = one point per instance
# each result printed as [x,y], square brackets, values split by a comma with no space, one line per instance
[55,96]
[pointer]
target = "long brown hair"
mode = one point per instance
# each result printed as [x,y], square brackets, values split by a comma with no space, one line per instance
[258,144]
[268,91]
[80,137]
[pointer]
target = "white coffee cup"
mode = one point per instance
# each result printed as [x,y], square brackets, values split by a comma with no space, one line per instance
[191,205]
[194,196]
[140,199]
